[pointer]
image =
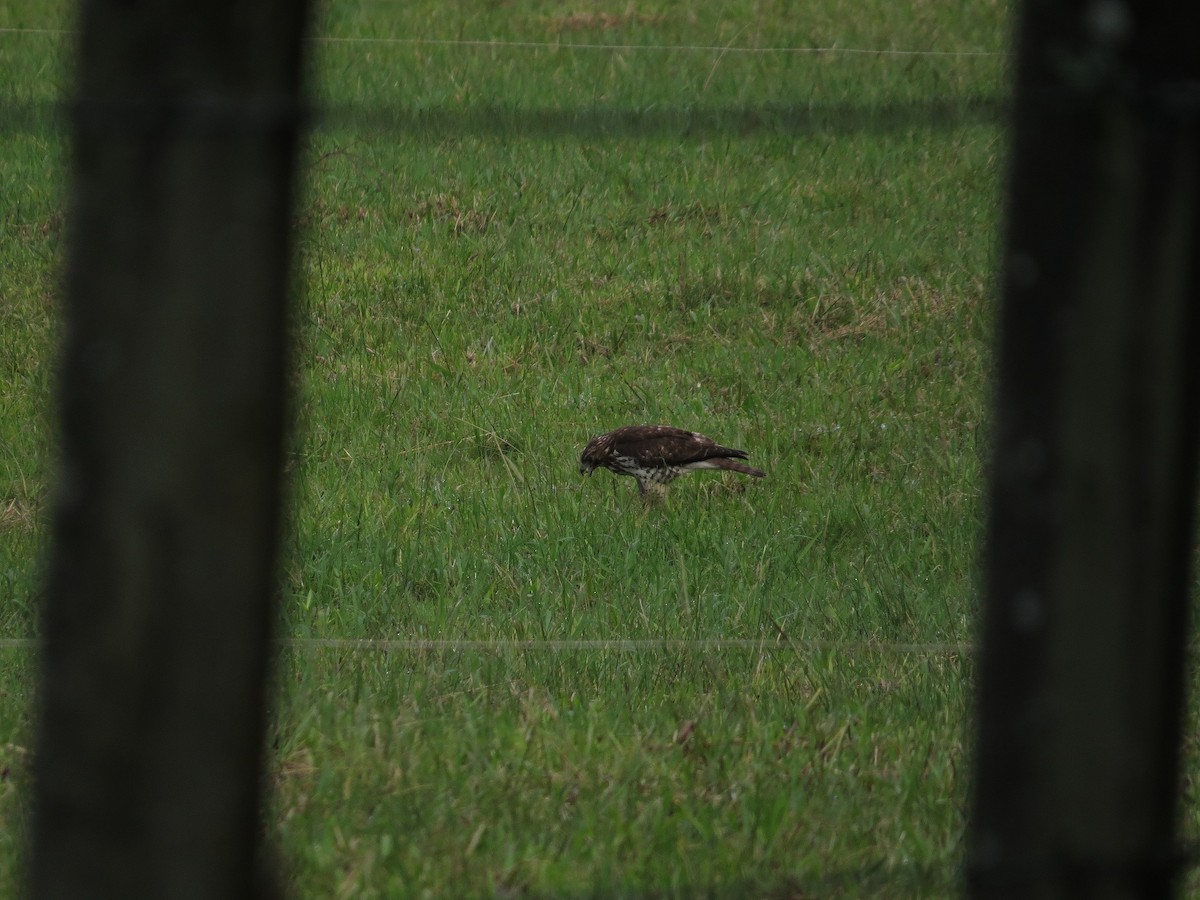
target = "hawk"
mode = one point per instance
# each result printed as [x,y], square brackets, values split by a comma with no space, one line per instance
[658,454]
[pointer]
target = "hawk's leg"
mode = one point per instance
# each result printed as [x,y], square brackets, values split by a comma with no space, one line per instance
[652,491]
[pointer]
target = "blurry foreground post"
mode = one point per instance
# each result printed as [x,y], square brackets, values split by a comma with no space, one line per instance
[1093,472]
[158,610]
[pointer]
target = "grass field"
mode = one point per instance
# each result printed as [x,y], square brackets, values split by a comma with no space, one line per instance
[505,249]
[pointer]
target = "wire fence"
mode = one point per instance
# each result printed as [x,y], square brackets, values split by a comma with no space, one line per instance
[489,44]
[598,645]
[251,116]
[213,113]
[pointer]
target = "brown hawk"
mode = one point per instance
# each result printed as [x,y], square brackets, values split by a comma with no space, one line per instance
[658,454]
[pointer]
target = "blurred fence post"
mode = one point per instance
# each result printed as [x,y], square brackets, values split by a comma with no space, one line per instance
[1093,476]
[149,753]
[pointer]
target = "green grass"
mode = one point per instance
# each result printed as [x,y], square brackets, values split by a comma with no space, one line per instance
[612,772]
[504,251]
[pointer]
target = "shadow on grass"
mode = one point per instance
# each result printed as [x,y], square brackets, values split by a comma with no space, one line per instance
[697,121]
[439,122]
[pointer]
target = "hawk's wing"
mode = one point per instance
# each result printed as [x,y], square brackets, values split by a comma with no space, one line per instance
[655,445]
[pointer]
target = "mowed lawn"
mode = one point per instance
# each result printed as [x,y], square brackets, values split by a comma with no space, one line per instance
[512,238]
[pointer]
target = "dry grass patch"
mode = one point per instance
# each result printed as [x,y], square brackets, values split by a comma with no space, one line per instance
[17,514]
[446,209]
[601,21]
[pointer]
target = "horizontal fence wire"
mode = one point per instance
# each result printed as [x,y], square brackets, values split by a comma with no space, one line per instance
[657,48]
[630,645]
[572,645]
[487,44]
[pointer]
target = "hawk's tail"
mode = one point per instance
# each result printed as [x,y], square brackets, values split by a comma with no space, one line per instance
[735,466]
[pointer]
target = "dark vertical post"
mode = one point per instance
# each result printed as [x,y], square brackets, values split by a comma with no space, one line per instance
[172,392]
[1094,465]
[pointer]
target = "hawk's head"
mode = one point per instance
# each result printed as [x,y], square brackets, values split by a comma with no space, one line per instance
[594,454]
